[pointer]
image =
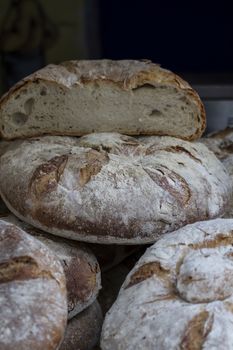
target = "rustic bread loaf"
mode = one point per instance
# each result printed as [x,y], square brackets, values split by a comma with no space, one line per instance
[129,193]
[179,295]
[83,331]
[33,306]
[83,280]
[107,258]
[221,143]
[80,97]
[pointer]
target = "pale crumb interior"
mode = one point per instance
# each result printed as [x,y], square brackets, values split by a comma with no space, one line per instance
[47,108]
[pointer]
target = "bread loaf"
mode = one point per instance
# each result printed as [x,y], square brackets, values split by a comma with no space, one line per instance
[33,306]
[179,295]
[111,188]
[221,143]
[107,258]
[81,268]
[83,331]
[80,97]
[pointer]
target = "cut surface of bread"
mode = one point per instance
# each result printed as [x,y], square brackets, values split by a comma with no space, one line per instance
[80,97]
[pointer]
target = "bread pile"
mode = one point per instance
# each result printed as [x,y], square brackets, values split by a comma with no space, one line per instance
[107,152]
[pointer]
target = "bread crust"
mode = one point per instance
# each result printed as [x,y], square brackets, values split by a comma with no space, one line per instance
[110,188]
[106,258]
[221,143]
[33,302]
[83,280]
[179,295]
[127,75]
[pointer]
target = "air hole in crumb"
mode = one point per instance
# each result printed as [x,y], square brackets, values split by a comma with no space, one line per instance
[183,99]
[28,105]
[19,118]
[43,91]
[145,86]
[155,113]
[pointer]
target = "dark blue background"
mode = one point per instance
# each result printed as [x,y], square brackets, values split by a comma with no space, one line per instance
[182,36]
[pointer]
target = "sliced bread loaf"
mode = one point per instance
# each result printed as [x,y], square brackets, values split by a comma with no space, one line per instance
[80,97]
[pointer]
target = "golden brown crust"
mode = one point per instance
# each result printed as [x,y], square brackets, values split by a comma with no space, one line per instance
[195,333]
[146,271]
[221,134]
[47,175]
[20,269]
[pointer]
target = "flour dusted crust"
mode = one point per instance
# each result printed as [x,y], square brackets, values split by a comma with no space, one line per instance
[83,280]
[179,295]
[110,188]
[33,306]
[221,143]
[107,258]
[128,96]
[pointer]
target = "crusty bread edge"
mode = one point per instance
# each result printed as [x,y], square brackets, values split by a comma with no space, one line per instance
[147,77]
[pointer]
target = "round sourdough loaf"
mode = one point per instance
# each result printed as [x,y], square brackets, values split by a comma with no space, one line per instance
[33,301]
[83,280]
[106,258]
[83,331]
[179,295]
[111,188]
[221,143]
[128,96]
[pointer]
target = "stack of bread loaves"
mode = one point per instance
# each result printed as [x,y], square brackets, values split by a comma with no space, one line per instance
[132,175]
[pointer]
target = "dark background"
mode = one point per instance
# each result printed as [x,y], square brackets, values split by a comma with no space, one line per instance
[191,36]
